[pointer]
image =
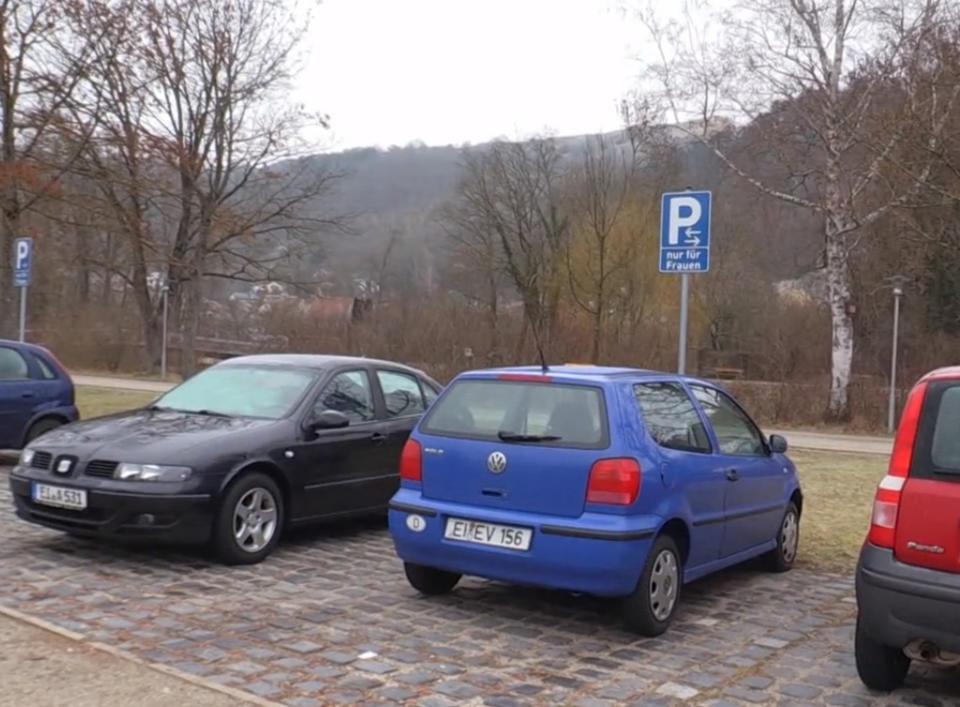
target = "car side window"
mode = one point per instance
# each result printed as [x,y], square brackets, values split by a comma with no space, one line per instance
[349,393]
[13,366]
[671,418]
[401,394]
[736,434]
[45,371]
[429,394]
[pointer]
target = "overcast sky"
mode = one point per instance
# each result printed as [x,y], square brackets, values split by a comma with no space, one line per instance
[389,72]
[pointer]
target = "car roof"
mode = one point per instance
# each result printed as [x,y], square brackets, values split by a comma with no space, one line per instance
[322,362]
[22,345]
[585,372]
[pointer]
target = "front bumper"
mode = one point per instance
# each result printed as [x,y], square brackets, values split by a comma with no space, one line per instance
[176,518]
[900,603]
[596,553]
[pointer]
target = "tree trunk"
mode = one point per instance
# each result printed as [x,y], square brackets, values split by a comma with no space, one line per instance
[841,350]
[494,355]
[189,314]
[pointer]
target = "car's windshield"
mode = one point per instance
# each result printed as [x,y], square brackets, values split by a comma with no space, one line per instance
[517,411]
[240,391]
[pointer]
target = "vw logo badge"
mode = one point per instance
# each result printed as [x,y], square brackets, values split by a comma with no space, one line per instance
[497,462]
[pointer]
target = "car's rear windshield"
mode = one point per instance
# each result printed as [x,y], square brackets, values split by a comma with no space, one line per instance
[937,448]
[522,412]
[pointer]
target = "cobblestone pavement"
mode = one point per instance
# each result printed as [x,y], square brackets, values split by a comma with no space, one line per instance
[329,619]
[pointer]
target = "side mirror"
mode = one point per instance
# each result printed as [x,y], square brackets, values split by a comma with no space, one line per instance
[778,444]
[329,420]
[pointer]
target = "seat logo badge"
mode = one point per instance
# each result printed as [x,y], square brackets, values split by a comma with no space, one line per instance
[497,462]
[935,549]
[64,466]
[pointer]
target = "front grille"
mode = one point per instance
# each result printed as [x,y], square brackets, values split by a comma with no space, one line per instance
[99,467]
[41,460]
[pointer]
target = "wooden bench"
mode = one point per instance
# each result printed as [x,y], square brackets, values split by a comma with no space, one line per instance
[725,373]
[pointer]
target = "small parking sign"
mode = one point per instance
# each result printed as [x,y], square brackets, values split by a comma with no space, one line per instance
[22,261]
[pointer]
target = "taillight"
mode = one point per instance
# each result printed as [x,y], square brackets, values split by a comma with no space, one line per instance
[614,481]
[410,467]
[886,504]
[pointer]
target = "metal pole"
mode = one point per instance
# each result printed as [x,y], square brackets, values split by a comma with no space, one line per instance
[682,343]
[163,349]
[892,403]
[23,313]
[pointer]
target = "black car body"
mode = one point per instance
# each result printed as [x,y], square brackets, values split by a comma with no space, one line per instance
[333,453]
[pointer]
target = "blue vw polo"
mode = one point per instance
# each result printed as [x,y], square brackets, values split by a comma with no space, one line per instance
[609,481]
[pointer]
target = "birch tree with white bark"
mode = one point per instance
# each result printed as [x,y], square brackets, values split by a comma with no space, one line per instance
[834,87]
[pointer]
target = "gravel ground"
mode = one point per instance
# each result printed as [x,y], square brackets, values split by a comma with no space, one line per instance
[45,670]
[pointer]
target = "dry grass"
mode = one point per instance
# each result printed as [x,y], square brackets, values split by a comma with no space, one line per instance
[838,495]
[94,402]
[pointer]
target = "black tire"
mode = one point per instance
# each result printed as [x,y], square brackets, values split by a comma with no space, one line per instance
[225,543]
[782,557]
[429,580]
[882,668]
[653,604]
[42,427]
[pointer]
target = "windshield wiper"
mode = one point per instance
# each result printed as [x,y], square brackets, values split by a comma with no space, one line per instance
[210,413]
[520,437]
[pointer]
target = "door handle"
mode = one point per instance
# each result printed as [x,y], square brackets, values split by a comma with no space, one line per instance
[733,475]
[378,437]
[26,395]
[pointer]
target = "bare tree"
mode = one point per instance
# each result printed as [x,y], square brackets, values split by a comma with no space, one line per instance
[513,190]
[40,65]
[599,194]
[823,67]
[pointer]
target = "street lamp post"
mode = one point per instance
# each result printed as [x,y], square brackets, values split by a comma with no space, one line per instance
[897,281]
[165,293]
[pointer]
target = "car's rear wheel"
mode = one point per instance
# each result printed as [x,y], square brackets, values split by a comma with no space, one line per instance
[41,427]
[430,580]
[249,520]
[782,557]
[880,667]
[652,605]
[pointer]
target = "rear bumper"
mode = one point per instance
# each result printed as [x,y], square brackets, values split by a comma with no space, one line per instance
[596,553]
[899,603]
[176,518]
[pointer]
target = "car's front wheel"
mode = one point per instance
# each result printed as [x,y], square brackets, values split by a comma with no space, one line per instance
[430,580]
[249,520]
[880,667]
[651,607]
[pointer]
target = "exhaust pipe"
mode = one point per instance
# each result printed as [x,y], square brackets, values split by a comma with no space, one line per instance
[930,652]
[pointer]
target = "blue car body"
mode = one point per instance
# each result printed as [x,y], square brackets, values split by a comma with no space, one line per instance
[722,506]
[36,393]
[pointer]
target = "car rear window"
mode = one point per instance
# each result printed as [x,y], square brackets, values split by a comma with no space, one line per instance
[493,409]
[937,448]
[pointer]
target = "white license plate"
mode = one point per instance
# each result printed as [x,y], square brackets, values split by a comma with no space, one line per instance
[60,497]
[473,531]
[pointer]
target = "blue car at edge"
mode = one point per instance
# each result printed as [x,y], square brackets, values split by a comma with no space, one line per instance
[36,394]
[608,481]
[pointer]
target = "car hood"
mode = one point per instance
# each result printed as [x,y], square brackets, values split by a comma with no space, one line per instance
[153,436]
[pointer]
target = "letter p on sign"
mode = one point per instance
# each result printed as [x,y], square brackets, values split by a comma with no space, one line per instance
[685,211]
[23,255]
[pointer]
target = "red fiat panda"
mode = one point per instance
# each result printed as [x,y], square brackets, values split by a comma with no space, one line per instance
[908,575]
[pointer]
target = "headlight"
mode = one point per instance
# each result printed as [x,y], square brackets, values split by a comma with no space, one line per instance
[152,472]
[26,456]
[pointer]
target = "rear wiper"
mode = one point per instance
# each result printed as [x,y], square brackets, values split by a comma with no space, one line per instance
[520,437]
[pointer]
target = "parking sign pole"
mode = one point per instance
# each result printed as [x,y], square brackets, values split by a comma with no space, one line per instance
[23,313]
[682,342]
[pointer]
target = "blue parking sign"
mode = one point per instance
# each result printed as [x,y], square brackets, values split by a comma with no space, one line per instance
[22,261]
[685,232]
